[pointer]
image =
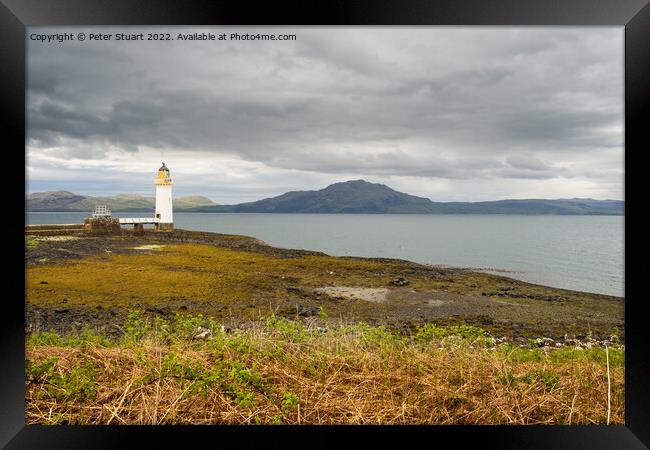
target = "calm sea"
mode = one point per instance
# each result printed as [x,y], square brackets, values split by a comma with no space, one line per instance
[583,253]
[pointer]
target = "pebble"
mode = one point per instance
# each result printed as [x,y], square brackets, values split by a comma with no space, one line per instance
[399,281]
[203,333]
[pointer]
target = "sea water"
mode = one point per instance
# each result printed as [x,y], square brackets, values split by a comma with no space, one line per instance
[583,253]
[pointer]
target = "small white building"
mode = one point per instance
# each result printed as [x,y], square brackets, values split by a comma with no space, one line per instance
[164,217]
[101,211]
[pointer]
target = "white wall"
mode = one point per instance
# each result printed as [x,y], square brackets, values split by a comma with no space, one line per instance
[164,203]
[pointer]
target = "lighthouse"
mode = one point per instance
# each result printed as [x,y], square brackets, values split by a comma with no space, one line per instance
[163,214]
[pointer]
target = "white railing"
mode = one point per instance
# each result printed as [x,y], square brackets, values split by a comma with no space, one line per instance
[128,220]
[102,210]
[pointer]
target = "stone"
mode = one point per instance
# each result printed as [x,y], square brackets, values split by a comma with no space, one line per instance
[306,311]
[158,310]
[203,333]
[399,281]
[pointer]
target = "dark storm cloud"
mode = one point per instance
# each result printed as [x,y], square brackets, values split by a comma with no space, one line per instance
[440,103]
[51,120]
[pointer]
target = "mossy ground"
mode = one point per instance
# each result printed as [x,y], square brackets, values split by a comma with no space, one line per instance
[239,278]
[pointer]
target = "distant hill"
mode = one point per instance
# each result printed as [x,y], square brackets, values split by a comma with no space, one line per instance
[67,201]
[359,196]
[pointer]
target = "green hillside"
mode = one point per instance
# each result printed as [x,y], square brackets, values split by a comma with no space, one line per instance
[67,201]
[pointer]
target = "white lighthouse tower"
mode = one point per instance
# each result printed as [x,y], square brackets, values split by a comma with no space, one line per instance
[164,216]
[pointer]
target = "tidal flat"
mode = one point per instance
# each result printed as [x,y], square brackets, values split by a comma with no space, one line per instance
[88,280]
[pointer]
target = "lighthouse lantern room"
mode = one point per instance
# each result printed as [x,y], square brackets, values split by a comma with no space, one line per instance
[163,214]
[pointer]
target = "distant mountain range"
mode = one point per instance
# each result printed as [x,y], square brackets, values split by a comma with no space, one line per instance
[359,196]
[67,201]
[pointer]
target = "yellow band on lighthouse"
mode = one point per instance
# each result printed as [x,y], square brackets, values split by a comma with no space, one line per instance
[163,177]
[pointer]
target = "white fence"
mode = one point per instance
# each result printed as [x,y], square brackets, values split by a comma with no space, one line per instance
[132,220]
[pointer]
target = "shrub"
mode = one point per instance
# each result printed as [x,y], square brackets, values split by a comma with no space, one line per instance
[289,330]
[136,327]
[290,403]
[427,332]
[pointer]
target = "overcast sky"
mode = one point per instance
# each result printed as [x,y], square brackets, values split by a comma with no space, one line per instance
[452,114]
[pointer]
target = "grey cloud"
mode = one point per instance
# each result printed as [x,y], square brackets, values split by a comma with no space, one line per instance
[42,82]
[527,162]
[48,121]
[571,128]
[423,102]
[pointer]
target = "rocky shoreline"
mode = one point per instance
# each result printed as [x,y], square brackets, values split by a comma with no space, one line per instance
[110,323]
[296,284]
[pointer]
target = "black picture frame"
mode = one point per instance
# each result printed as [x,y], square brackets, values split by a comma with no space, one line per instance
[16,15]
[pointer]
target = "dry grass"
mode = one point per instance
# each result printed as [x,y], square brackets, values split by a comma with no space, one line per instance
[285,372]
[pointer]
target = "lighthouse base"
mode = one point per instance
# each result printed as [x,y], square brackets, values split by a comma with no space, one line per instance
[164,227]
